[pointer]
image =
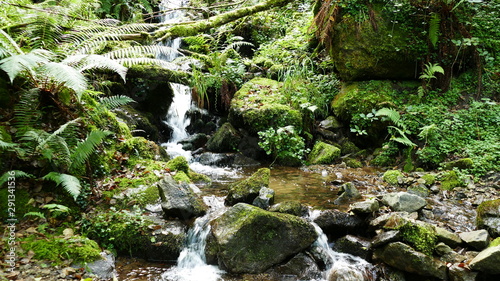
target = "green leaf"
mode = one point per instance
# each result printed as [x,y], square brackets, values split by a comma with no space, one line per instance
[70,183]
[86,148]
[56,74]
[434,28]
[17,174]
[115,101]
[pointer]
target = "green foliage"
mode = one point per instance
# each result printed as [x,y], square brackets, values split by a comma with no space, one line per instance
[70,183]
[124,10]
[429,179]
[113,102]
[434,29]
[284,144]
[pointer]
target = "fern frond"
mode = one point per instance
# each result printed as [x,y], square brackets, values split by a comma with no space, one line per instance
[70,183]
[35,214]
[135,27]
[390,113]
[140,51]
[434,28]
[44,32]
[26,113]
[57,75]
[403,139]
[128,62]
[8,44]
[16,64]
[84,149]
[17,174]
[115,101]
[236,45]
[425,131]
[87,62]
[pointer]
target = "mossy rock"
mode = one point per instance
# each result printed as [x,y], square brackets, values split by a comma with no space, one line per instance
[360,54]
[226,139]
[323,153]
[268,238]
[139,122]
[488,217]
[353,163]
[464,163]
[248,189]
[392,177]
[419,235]
[179,163]
[180,176]
[290,207]
[429,179]
[141,148]
[260,105]
[495,242]
[450,180]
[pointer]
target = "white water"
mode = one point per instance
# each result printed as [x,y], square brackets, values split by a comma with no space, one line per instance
[191,264]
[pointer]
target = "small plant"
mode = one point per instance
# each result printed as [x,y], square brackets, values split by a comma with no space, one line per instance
[427,75]
[284,144]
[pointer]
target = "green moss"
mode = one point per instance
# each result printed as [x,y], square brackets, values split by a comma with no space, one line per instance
[226,139]
[391,177]
[422,237]
[495,242]
[179,163]
[353,163]
[56,249]
[348,147]
[140,148]
[464,163]
[491,206]
[450,180]
[429,179]
[199,178]
[180,176]
[323,153]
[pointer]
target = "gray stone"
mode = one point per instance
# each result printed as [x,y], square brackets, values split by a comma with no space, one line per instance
[290,207]
[386,237]
[337,224]
[216,159]
[179,200]
[449,238]
[348,192]
[248,189]
[353,245]
[405,258]
[365,207]
[265,198]
[300,267]
[478,239]
[226,139]
[488,217]
[460,273]
[404,201]
[487,261]
[104,268]
[330,123]
[247,239]
[194,142]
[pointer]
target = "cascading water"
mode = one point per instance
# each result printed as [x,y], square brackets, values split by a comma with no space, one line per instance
[191,264]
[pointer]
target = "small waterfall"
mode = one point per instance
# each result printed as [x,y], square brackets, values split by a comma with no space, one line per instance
[340,266]
[191,264]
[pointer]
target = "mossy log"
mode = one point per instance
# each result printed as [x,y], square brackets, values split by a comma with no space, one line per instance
[191,29]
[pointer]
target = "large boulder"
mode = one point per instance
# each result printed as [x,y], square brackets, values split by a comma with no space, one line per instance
[405,258]
[179,200]
[248,189]
[488,217]
[226,139]
[336,224]
[260,105]
[247,239]
[478,239]
[487,261]
[404,201]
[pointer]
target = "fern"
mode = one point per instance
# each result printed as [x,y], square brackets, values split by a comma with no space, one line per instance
[390,113]
[26,113]
[402,138]
[16,64]
[141,51]
[115,101]
[70,183]
[44,32]
[17,174]
[434,28]
[8,45]
[87,147]
[87,62]
[55,75]
[34,214]
[236,45]
[146,61]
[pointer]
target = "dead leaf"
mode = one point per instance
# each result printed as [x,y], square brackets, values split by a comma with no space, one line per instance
[68,233]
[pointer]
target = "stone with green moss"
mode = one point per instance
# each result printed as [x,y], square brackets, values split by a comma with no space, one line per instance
[429,179]
[495,242]
[179,200]
[450,180]
[248,189]
[260,105]
[179,163]
[464,163]
[348,147]
[353,163]
[290,207]
[323,153]
[420,235]
[488,217]
[226,139]
[140,148]
[393,177]
[268,238]
[180,176]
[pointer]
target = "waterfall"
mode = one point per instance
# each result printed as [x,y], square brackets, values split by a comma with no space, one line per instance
[191,264]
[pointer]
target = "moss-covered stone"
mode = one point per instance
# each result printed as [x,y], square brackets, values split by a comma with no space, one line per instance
[248,189]
[268,238]
[290,207]
[353,163]
[180,176]
[421,236]
[140,148]
[429,179]
[450,180]
[226,139]
[260,105]
[323,153]
[464,163]
[488,217]
[495,242]
[179,163]
[392,177]
[348,147]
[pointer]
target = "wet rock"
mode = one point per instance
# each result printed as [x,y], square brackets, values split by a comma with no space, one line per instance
[460,273]
[488,217]
[216,159]
[323,153]
[265,198]
[365,207]
[388,273]
[478,239]
[267,238]
[226,139]
[104,268]
[290,207]
[248,189]
[353,245]
[139,121]
[337,224]
[449,238]
[386,237]
[345,273]
[405,258]
[241,160]
[194,142]
[403,201]
[330,123]
[487,261]
[179,200]
[300,267]
[347,192]
[393,219]
[420,190]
